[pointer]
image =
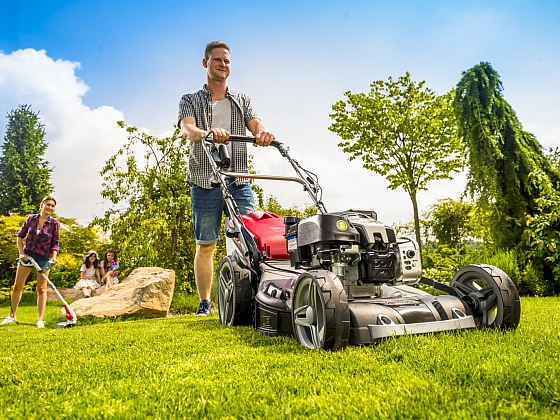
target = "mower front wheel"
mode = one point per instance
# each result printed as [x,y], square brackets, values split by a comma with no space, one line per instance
[321,317]
[490,293]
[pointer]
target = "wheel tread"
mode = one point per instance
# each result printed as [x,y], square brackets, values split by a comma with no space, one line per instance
[511,311]
[337,312]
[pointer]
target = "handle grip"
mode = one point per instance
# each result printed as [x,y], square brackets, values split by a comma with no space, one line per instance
[248,139]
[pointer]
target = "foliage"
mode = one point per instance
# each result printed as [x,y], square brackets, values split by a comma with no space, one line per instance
[440,262]
[159,364]
[554,157]
[76,239]
[67,272]
[534,281]
[150,215]
[452,222]
[272,204]
[9,226]
[24,174]
[403,131]
[542,233]
[501,155]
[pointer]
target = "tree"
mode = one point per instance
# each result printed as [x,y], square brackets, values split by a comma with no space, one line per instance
[500,154]
[542,231]
[149,218]
[403,131]
[452,223]
[76,239]
[24,173]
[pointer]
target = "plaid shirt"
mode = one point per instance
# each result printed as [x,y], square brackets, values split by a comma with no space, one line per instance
[199,106]
[46,241]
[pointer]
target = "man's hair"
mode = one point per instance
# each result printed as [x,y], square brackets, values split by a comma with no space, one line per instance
[212,45]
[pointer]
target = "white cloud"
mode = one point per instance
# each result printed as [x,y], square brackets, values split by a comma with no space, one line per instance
[80,139]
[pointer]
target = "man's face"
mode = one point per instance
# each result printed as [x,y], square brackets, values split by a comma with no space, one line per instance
[218,64]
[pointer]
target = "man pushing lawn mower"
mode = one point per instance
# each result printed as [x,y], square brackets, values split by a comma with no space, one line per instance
[216,110]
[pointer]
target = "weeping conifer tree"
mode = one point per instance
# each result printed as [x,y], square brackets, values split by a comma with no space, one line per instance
[500,154]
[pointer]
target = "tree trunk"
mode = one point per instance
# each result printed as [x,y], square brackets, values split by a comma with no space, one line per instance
[416,220]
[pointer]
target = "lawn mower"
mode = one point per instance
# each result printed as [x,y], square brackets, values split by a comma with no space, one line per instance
[340,278]
[71,318]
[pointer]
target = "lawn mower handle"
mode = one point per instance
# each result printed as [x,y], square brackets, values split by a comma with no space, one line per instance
[309,185]
[283,149]
[249,139]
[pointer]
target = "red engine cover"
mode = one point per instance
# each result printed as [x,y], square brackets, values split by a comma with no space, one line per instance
[268,230]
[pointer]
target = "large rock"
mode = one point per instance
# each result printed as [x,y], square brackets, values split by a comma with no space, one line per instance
[147,291]
[70,293]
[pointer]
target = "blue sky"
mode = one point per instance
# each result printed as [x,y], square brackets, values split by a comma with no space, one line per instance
[85,64]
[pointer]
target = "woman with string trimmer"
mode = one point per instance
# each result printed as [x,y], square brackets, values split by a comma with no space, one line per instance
[41,231]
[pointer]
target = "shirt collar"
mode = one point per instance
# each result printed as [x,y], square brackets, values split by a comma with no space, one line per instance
[208,93]
[36,216]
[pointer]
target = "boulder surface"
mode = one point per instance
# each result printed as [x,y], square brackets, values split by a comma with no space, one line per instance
[147,291]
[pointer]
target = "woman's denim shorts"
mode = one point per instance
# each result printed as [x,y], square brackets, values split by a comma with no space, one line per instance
[40,259]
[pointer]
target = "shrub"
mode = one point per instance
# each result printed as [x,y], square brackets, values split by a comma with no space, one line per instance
[534,282]
[67,272]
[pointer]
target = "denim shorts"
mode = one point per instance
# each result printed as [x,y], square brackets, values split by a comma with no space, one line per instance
[39,259]
[208,204]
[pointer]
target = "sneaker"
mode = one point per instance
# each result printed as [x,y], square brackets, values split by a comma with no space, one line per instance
[40,324]
[9,320]
[204,309]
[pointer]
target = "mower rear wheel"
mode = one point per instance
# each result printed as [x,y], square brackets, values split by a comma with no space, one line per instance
[490,293]
[321,317]
[235,297]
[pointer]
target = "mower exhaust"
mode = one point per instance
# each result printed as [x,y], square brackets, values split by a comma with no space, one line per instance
[71,317]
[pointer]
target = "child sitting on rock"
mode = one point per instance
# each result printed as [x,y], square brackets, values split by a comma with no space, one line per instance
[109,269]
[89,272]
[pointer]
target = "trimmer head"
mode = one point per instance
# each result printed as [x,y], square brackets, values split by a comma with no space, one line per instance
[66,324]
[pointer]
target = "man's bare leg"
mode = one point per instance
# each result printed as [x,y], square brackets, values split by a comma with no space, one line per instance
[204,270]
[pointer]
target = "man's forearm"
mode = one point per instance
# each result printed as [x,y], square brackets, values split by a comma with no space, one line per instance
[257,128]
[192,133]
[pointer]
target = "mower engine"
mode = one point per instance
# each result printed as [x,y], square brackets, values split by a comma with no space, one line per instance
[355,246]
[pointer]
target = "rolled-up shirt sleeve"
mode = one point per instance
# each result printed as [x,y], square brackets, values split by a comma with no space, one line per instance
[249,114]
[54,239]
[186,109]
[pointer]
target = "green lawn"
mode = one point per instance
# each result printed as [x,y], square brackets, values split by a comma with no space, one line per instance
[189,367]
